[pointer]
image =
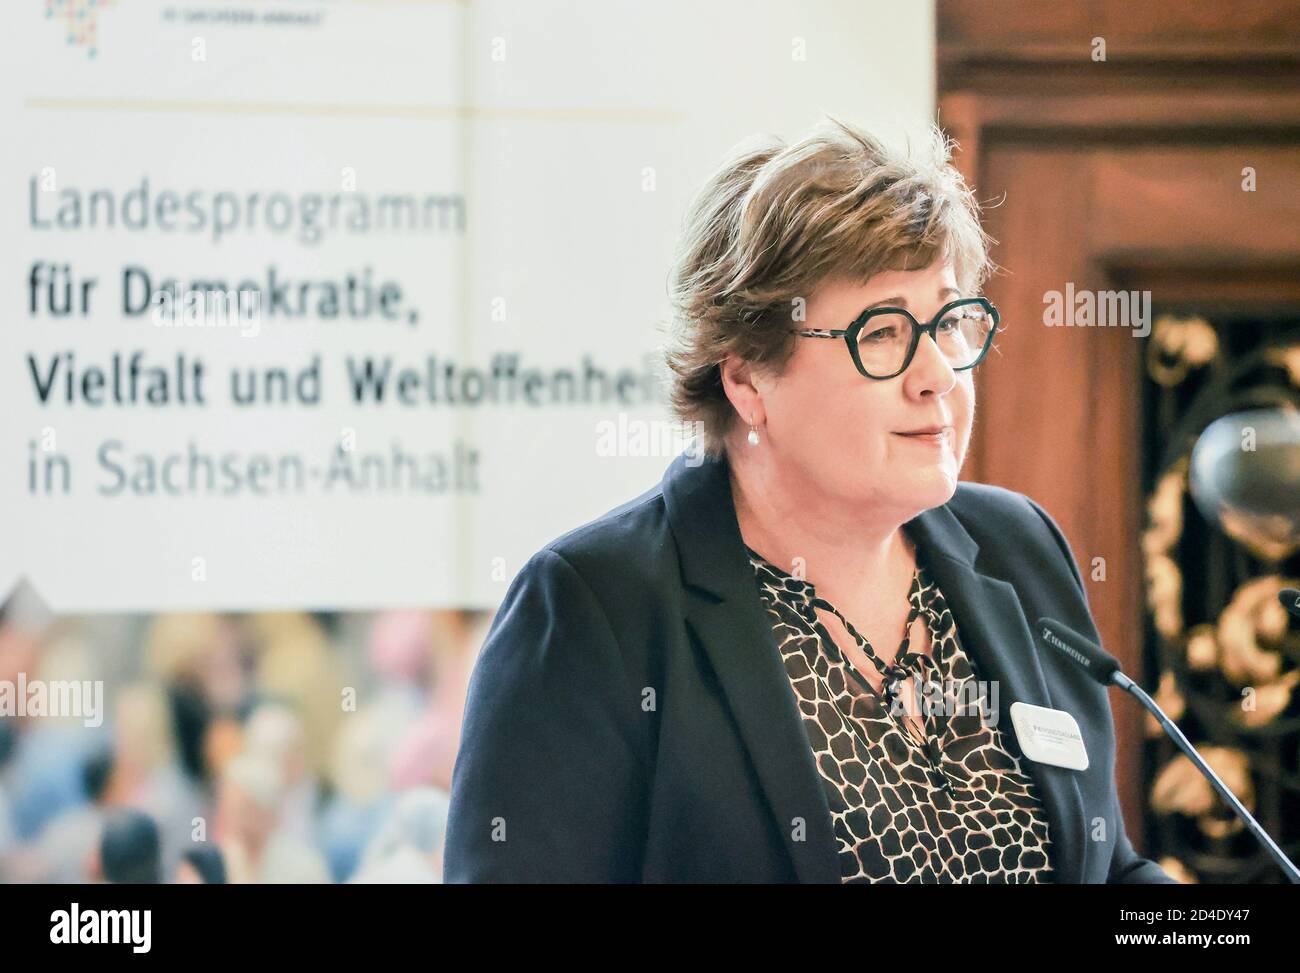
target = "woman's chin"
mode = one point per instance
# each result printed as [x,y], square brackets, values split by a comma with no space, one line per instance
[933,486]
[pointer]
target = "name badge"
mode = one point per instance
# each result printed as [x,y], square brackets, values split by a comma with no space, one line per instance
[1049,736]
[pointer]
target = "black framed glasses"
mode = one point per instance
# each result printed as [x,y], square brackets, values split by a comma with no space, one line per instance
[883,340]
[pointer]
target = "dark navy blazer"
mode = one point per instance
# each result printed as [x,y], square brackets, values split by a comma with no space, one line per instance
[630,720]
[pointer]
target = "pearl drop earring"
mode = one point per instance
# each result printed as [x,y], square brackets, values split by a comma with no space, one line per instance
[753,433]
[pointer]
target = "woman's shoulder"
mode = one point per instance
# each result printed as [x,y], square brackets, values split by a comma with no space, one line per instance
[622,551]
[999,518]
[989,505]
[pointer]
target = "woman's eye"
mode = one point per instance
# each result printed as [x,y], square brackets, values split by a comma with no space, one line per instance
[950,323]
[879,335]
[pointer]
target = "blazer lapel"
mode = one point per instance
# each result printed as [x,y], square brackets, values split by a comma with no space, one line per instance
[726,615]
[994,631]
[743,653]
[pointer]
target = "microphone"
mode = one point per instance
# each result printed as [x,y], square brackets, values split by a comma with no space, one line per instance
[1105,668]
[1093,659]
[1290,599]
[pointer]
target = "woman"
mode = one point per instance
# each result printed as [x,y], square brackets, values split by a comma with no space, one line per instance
[728,679]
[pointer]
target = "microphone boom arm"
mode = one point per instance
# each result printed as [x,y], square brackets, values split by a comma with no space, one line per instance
[1229,798]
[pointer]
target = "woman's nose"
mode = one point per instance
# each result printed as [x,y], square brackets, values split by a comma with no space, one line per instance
[930,369]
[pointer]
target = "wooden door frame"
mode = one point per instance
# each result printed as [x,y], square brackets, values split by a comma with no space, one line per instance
[983,122]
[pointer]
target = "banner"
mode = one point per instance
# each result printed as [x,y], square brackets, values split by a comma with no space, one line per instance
[357,305]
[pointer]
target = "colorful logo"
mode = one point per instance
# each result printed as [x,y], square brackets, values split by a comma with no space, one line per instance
[80,19]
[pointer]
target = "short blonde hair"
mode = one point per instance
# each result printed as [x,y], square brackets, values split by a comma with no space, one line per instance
[776,220]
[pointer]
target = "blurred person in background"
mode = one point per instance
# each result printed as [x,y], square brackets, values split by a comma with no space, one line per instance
[274,731]
[254,849]
[197,658]
[400,652]
[361,779]
[45,770]
[130,849]
[294,661]
[64,852]
[201,865]
[147,772]
[408,849]
[8,841]
[427,751]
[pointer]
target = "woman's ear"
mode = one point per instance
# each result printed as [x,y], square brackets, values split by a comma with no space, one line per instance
[741,381]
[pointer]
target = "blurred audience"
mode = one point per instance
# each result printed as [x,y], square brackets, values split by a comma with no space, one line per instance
[266,748]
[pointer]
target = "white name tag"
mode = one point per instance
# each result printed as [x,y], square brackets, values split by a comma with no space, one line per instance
[1049,736]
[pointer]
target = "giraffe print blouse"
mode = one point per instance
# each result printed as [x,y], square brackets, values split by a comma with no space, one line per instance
[954,808]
